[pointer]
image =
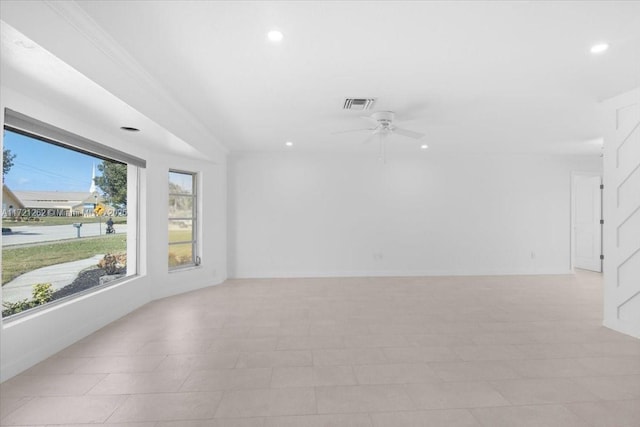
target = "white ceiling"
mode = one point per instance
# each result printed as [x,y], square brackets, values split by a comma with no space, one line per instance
[473,76]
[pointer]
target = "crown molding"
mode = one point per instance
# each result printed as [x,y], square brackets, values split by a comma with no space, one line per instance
[90,30]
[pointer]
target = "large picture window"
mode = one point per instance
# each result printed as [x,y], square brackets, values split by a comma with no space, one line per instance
[182,220]
[67,205]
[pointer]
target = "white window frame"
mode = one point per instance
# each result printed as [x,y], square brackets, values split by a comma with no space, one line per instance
[19,123]
[195,257]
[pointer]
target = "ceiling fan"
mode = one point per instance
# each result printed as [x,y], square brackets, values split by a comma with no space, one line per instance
[383,127]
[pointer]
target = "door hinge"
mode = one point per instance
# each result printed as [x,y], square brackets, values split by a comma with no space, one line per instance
[601,256]
[602,221]
[602,186]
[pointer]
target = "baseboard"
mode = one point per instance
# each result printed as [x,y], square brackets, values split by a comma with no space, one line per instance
[393,273]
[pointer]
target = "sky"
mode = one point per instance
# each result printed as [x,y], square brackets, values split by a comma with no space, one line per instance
[46,167]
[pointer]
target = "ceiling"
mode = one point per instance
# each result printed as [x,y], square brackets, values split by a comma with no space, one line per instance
[473,76]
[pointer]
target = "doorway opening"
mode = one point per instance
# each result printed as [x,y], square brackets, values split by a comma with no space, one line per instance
[586,221]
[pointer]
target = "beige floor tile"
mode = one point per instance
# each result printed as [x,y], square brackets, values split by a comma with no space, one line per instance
[365,398]
[64,410]
[139,383]
[227,379]
[313,376]
[270,359]
[309,342]
[473,371]
[496,338]
[198,362]
[59,365]
[167,406]
[9,404]
[50,385]
[120,364]
[419,343]
[419,354]
[611,365]
[614,349]
[543,390]
[267,402]
[351,356]
[550,368]
[554,350]
[395,374]
[445,395]
[97,348]
[528,416]
[438,340]
[333,420]
[164,347]
[373,341]
[144,424]
[338,329]
[300,329]
[229,422]
[488,352]
[442,417]
[231,345]
[620,387]
[622,413]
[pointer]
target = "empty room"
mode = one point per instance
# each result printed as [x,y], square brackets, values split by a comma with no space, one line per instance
[320,213]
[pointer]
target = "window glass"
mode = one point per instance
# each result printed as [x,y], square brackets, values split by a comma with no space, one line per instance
[182,225]
[64,220]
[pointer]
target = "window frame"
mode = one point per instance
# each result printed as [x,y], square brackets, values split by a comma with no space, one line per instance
[27,126]
[195,218]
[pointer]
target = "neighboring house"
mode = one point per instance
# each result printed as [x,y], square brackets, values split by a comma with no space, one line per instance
[48,203]
[10,200]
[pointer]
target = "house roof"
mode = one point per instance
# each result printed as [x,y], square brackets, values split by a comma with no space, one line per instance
[54,199]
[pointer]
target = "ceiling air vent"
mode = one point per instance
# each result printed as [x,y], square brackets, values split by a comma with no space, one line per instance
[358,103]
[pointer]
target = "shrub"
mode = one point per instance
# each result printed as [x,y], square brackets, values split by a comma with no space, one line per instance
[15,307]
[111,263]
[42,293]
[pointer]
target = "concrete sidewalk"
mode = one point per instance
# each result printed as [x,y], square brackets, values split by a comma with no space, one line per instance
[59,275]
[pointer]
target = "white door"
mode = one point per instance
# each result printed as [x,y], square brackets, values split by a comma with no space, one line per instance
[622,213]
[587,234]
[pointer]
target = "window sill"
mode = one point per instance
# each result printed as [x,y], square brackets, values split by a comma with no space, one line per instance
[39,310]
[185,268]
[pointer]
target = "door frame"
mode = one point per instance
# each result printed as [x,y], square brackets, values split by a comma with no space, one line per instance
[574,175]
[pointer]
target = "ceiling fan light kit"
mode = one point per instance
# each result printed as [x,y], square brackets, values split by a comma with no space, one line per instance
[383,127]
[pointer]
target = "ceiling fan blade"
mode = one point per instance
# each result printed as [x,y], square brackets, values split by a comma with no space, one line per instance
[408,133]
[370,119]
[368,140]
[351,130]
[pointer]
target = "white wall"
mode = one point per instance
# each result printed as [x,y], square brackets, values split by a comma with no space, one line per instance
[311,214]
[33,338]
[622,213]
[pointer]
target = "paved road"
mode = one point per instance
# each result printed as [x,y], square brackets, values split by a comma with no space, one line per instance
[39,233]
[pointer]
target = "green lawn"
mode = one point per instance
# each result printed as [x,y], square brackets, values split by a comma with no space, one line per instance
[181,253]
[21,259]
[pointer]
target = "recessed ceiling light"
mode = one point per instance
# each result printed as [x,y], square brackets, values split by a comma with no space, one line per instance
[275,35]
[424,146]
[289,144]
[25,44]
[130,129]
[599,48]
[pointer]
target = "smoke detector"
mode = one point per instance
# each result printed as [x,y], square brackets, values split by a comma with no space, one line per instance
[358,103]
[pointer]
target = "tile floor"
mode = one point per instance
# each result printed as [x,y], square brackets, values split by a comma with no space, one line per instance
[356,352]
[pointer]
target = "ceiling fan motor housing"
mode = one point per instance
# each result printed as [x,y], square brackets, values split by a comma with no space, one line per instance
[383,116]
